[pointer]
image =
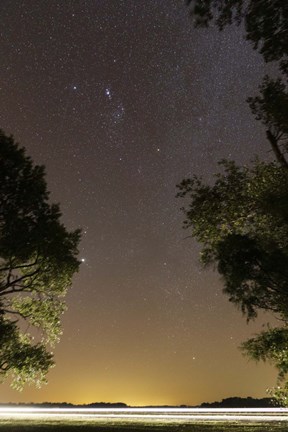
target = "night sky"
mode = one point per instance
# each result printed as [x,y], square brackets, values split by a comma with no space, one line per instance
[120,100]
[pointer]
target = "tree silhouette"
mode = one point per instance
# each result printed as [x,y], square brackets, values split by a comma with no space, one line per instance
[241,221]
[265,22]
[38,258]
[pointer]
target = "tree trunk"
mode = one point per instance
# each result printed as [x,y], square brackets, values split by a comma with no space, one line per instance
[274,144]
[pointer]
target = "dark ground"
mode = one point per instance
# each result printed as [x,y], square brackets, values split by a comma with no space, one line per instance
[21,426]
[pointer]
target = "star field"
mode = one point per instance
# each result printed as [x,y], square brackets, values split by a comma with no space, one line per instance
[121,100]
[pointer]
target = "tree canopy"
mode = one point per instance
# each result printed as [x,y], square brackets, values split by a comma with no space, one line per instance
[266,26]
[242,223]
[241,220]
[38,258]
[265,21]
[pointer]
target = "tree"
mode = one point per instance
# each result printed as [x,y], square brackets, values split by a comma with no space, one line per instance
[271,107]
[241,222]
[266,26]
[265,21]
[38,258]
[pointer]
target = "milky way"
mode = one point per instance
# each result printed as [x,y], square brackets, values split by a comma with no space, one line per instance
[121,100]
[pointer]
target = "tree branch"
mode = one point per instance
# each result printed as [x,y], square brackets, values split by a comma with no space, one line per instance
[19,266]
[14,283]
[17,313]
[274,144]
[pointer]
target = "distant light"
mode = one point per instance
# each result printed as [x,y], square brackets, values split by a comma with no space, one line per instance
[168,415]
[83,260]
[155,410]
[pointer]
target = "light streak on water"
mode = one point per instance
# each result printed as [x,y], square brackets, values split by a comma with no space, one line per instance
[167,415]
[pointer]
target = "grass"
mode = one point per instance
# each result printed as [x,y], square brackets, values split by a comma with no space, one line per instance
[22,425]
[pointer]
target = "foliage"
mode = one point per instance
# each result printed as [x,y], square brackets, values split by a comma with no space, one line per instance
[271,107]
[241,222]
[270,345]
[266,26]
[266,23]
[38,258]
[242,232]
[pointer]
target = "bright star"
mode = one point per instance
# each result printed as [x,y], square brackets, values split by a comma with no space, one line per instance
[108,93]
